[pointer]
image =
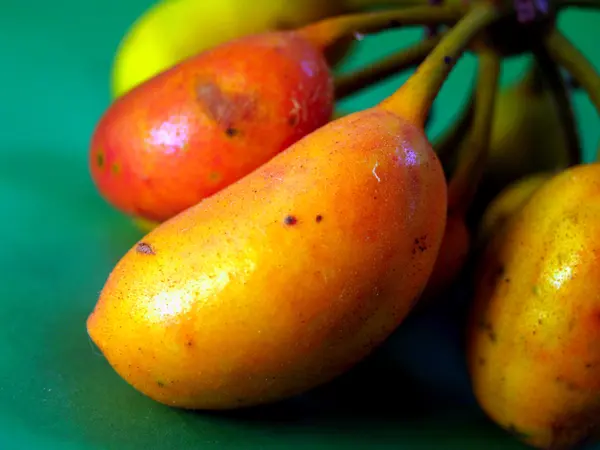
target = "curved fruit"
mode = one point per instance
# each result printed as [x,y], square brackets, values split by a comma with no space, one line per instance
[207,311]
[533,352]
[174,30]
[290,276]
[507,203]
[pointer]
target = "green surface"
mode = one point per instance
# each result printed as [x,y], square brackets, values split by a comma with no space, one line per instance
[60,241]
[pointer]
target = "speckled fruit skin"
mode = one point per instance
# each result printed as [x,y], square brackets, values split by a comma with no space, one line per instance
[207,122]
[285,279]
[534,337]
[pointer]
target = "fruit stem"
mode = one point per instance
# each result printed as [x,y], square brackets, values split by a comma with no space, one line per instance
[549,72]
[415,97]
[472,161]
[562,51]
[326,32]
[350,83]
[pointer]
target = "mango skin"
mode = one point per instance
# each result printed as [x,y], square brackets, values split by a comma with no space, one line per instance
[285,279]
[534,353]
[207,122]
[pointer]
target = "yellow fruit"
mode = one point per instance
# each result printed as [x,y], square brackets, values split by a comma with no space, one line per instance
[285,279]
[534,334]
[173,30]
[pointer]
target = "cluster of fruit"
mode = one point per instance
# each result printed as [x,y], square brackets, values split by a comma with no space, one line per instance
[285,243]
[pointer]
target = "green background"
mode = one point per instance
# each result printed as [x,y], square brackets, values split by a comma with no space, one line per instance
[60,240]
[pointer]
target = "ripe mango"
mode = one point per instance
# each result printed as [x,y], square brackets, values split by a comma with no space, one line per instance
[286,278]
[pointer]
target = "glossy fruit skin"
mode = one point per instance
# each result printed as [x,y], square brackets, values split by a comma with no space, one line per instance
[174,30]
[284,280]
[186,134]
[533,350]
[507,203]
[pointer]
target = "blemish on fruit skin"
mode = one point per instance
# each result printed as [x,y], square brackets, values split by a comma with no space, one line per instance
[231,132]
[420,244]
[224,108]
[486,327]
[115,168]
[519,434]
[144,248]
[160,383]
[319,218]
[100,159]
[290,220]
[448,59]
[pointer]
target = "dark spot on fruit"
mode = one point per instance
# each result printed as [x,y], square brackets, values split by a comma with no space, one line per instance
[231,132]
[588,366]
[448,59]
[319,218]
[223,107]
[481,361]
[189,343]
[160,384]
[144,248]
[507,280]
[486,327]
[420,244]
[293,119]
[290,220]
[115,168]
[214,176]
[100,159]
[540,321]
[517,433]
[499,271]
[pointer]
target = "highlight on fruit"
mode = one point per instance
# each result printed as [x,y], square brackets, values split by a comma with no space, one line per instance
[285,240]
